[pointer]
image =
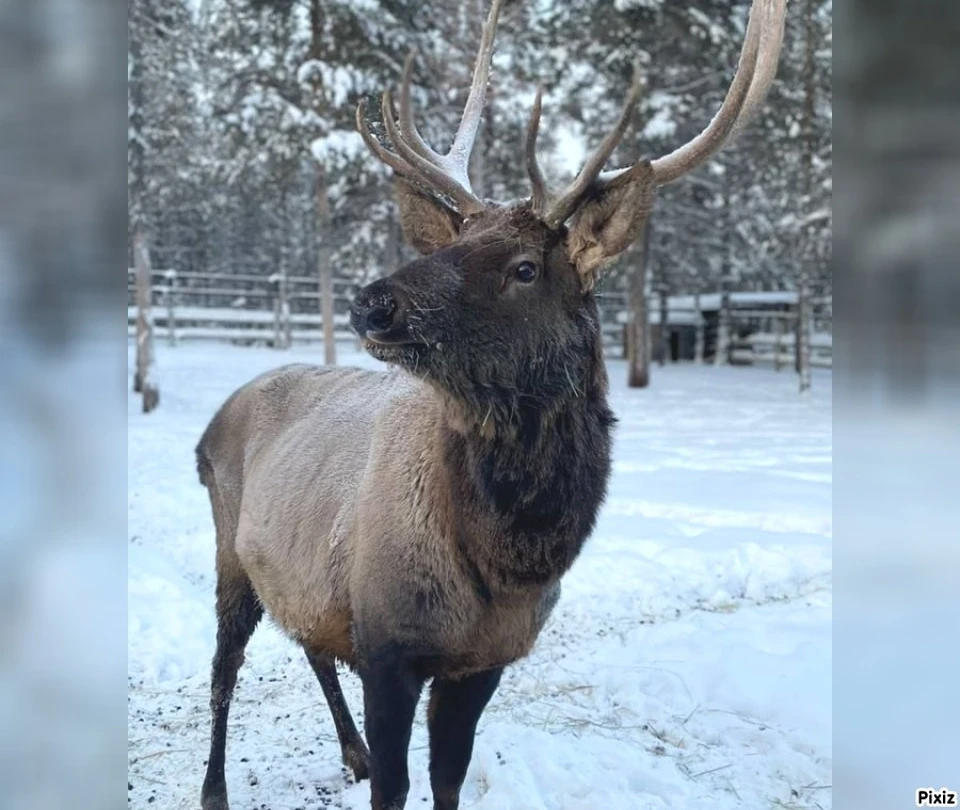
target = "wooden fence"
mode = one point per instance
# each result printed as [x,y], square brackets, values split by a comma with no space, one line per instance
[762,326]
[772,338]
[272,310]
[269,310]
[282,310]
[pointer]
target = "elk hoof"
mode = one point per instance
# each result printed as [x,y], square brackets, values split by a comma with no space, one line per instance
[357,759]
[214,800]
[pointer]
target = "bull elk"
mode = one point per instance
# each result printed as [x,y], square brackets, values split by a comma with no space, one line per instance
[414,524]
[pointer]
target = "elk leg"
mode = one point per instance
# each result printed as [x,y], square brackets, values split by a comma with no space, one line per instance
[354,749]
[452,715]
[238,611]
[391,690]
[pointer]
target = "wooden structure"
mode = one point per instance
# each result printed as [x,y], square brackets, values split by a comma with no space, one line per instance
[282,310]
[272,310]
[763,327]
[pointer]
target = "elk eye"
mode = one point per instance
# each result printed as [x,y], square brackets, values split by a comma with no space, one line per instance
[526,272]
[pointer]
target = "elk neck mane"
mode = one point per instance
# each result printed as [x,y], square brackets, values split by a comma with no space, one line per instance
[528,475]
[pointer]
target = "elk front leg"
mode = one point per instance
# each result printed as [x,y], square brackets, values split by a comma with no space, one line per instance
[391,690]
[454,710]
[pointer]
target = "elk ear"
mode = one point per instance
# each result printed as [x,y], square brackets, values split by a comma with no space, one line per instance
[428,224]
[609,220]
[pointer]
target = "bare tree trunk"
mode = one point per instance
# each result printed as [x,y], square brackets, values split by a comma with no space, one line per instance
[664,325]
[142,383]
[797,343]
[724,325]
[326,279]
[699,333]
[282,330]
[805,254]
[286,318]
[777,343]
[638,354]
[803,329]
[722,352]
[170,299]
[284,326]
[324,270]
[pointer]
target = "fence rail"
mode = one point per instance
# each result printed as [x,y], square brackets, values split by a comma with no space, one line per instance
[281,310]
[762,326]
[240,308]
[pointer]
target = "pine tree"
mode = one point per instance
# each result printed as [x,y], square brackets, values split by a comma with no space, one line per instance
[233,114]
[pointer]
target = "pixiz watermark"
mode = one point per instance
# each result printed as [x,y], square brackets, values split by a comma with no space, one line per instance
[927,797]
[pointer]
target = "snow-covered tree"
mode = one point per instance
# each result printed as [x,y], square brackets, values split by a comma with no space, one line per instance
[244,155]
[164,146]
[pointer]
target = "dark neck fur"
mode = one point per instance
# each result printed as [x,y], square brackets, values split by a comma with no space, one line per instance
[533,487]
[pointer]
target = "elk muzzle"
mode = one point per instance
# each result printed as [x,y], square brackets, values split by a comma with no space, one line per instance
[378,314]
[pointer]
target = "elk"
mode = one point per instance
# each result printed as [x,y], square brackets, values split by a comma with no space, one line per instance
[414,524]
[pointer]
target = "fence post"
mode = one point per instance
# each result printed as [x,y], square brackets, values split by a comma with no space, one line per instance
[664,325]
[352,291]
[274,282]
[722,355]
[699,330]
[170,294]
[778,342]
[285,318]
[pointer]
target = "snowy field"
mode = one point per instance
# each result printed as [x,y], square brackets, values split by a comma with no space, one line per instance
[688,664]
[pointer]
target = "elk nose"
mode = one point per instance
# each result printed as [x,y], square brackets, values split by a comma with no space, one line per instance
[374,310]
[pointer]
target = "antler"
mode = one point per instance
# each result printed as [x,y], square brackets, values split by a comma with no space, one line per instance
[568,200]
[755,72]
[413,158]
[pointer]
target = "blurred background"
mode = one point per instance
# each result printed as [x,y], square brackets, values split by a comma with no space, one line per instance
[896,422]
[239,121]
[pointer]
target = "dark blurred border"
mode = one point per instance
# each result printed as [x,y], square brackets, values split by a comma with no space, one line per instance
[897,418]
[62,404]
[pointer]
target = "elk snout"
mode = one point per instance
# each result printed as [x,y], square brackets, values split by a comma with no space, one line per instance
[377,314]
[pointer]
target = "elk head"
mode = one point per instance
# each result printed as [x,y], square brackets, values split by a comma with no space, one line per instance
[500,311]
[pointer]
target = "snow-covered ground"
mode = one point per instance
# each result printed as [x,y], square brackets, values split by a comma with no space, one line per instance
[687,665]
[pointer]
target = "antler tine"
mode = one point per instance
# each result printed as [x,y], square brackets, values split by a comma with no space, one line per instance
[771,40]
[565,205]
[755,71]
[437,176]
[395,162]
[538,199]
[414,159]
[408,128]
[473,109]
[433,180]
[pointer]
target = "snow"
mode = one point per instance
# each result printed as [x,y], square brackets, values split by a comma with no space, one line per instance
[337,145]
[624,5]
[688,663]
[680,317]
[234,315]
[310,70]
[711,301]
[660,125]
[818,340]
[571,150]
